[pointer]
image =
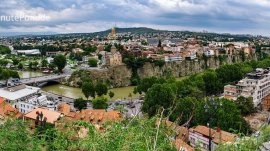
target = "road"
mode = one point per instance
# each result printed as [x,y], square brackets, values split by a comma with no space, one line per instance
[58,98]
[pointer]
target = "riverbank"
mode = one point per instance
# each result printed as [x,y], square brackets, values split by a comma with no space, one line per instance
[30,74]
[72,92]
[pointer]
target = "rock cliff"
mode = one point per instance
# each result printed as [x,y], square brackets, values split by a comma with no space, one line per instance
[119,76]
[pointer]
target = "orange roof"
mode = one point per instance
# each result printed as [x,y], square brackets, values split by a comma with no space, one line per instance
[64,108]
[7,110]
[181,132]
[51,116]
[181,145]
[221,136]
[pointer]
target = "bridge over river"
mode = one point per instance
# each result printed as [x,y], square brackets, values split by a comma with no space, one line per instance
[43,79]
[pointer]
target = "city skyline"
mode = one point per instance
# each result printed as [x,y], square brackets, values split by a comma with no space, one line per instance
[58,16]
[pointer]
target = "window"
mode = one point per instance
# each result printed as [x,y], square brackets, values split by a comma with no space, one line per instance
[205,146]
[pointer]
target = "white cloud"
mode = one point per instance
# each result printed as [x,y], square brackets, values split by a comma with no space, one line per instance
[94,15]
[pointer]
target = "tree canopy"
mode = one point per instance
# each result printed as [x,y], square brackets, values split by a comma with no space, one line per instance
[88,89]
[60,61]
[100,103]
[101,89]
[80,104]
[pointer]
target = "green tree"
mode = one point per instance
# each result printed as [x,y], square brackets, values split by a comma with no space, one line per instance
[30,65]
[101,89]
[51,66]
[100,103]
[234,71]
[159,95]
[80,104]
[184,110]
[44,63]
[212,83]
[92,62]
[34,64]
[15,61]
[88,89]
[111,94]
[60,61]
[245,105]
[20,66]
[226,116]
[4,50]
[3,62]
[147,83]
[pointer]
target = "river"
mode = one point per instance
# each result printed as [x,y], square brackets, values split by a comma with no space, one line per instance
[120,93]
[29,74]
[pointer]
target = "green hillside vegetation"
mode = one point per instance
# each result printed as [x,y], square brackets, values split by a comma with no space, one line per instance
[248,143]
[129,135]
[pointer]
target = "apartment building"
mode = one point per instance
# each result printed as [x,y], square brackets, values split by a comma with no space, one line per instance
[256,85]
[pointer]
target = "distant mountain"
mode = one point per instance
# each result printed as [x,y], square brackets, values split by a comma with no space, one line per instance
[131,30]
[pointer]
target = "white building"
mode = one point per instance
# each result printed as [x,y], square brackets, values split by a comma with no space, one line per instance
[25,98]
[35,102]
[255,85]
[171,58]
[21,92]
[208,52]
[29,52]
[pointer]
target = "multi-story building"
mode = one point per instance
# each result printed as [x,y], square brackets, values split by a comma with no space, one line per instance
[17,93]
[230,92]
[256,85]
[35,102]
[26,98]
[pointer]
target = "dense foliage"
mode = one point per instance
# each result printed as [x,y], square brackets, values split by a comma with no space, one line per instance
[4,50]
[185,100]
[6,73]
[80,104]
[128,135]
[88,89]
[60,61]
[248,143]
[100,103]
[92,62]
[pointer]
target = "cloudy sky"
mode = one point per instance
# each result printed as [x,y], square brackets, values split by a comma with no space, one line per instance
[65,16]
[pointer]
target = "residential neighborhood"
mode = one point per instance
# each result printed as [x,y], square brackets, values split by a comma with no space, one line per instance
[151,75]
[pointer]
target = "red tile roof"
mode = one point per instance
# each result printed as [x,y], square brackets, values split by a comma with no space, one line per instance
[52,116]
[217,136]
[6,110]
